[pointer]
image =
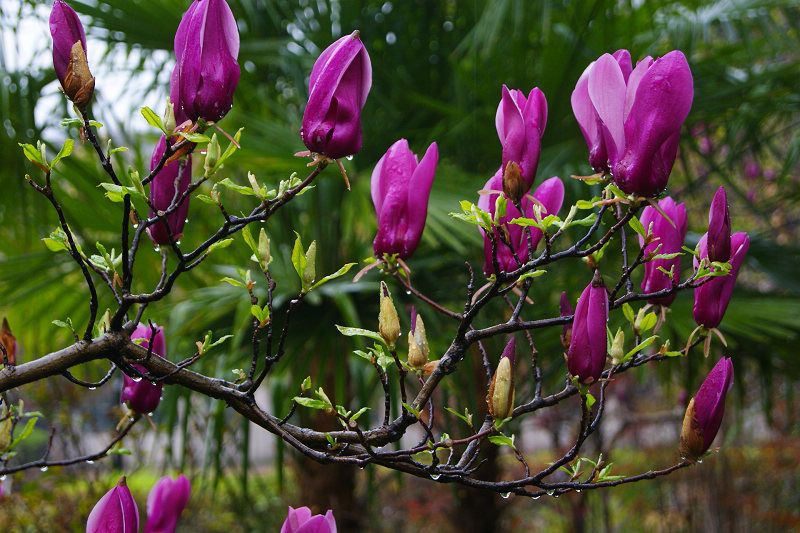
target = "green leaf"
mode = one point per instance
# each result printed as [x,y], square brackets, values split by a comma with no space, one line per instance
[298,257]
[306,384]
[219,245]
[502,440]
[197,138]
[205,199]
[34,155]
[636,225]
[639,347]
[410,409]
[65,151]
[627,310]
[339,273]
[532,274]
[234,282]
[466,417]
[228,184]
[116,193]
[311,403]
[590,400]
[666,256]
[153,119]
[358,332]
[358,413]
[230,150]
[25,433]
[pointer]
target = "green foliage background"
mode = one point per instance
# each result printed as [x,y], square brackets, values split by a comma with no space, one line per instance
[438,67]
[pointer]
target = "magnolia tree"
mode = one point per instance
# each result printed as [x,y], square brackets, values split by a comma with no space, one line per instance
[631,117]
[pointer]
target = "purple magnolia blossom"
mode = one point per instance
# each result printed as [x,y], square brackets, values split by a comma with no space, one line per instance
[549,195]
[400,189]
[587,117]
[206,72]
[640,114]
[586,355]
[719,228]
[115,512]
[338,89]
[143,396]
[712,297]
[669,240]
[704,415]
[69,53]
[163,192]
[165,503]
[520,125]
[302,521]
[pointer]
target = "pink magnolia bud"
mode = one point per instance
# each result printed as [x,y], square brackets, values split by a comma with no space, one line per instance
[401,187]
[163,192]
[116,512]
[520,125]
[302,521]
[69,54]
[640,116]
[670,238]
[719,228]
[338,89]
[206,72]
[711,299]
[704,414]
[549,195]
[165,503]
[141,395]
[586,355]
[587,117]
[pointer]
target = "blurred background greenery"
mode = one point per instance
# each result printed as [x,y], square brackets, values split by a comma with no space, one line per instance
[438,67]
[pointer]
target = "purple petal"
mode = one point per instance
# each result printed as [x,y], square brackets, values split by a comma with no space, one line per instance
[163,192]
[419,191]
[719,228]
[633,82]
[607,92]
[709,402]
[165,503]
[115,512]
[623,59]
[510,349]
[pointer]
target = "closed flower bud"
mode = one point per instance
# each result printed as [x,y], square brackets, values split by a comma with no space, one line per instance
[165,503]
[213,151]
[310,271]
[586,355]
[719,228]
[302,521]
[667,238]
[169,117]
[388,321]
[206,72]
[617,350]
[417,342]
[337,91]
[401,187]
[141,395]
[116,511]
[705,411]
[264,255]
[501,390]
[69,54]
[520,125]
[168,186]
[711,299]
[9,344]
[513,184]
[566,310]
[549,195]
[640,114]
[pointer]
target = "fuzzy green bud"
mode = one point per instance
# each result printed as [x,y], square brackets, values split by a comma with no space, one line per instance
[388,321]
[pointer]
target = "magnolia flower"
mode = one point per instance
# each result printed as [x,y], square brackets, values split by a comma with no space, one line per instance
[69,54]
[668,239]
[520,125]
[206,72]
[586,355]
[115,512]
[302,521]
[640,113]
[141,395]
[165,503]
[704,414]
[548,197]
[711,299]
[163,191]
[401,186]
[719,228]
[338,89]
